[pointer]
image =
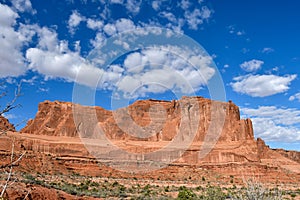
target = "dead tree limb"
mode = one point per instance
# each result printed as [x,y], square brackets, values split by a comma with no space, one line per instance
[11,105]
[10,166]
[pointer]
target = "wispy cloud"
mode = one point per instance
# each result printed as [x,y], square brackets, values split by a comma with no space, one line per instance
[252,65]
[245,50]
[116,1]
[267,50]
[232,29]
[295,97]
[23,6]
[41,89]
[10,116]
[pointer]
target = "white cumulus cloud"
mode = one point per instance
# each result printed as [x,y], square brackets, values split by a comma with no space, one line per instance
[262,85]
[74,21]
[197,16]
[116,1]
[185,4]
[135,62]
[23,5]
[162,68]
[53,59]
[252,65]
[94,24]
[274,123]
[12,40]
[156,5]
[119,26]
[133,6]
[157,69]
[124,25]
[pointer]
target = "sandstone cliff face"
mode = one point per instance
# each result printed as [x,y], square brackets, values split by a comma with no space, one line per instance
[145,120]
[293,155]
[56,119]
[53,143]
[190,121]
[5,125]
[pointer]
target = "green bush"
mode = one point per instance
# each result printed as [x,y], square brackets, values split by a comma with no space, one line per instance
[213,193]
[185,194]
[293,195]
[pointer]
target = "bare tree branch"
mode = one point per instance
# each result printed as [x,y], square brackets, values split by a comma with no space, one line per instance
[10,166]
[11,105]
[28,192]
[3,94]
[10,171]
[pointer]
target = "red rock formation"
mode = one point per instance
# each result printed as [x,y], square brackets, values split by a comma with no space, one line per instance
[56,119]
[293,155]
[23,191]
[5,125]
[147,120]
[190,121]
[217,139]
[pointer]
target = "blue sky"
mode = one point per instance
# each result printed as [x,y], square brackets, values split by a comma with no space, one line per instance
[252,45]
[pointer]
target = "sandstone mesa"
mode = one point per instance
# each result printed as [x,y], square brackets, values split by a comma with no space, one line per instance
[54,141]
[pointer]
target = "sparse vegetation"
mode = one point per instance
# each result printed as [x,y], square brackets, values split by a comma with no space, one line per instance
[256,191]
[121,188]
[185,193]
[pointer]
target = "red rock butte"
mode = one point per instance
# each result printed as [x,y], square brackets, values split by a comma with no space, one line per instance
[203,134]
[5,125]
[162,118]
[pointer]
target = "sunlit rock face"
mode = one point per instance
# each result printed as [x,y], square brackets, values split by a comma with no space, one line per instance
[5,125]
[145,120]
[192,133]
[208,131]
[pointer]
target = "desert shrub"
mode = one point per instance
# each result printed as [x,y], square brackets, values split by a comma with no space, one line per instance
[256,191]
[94,184]
[293,195]
[185,194]
[213,193]
[167,188]
[199,188]
[33,180]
